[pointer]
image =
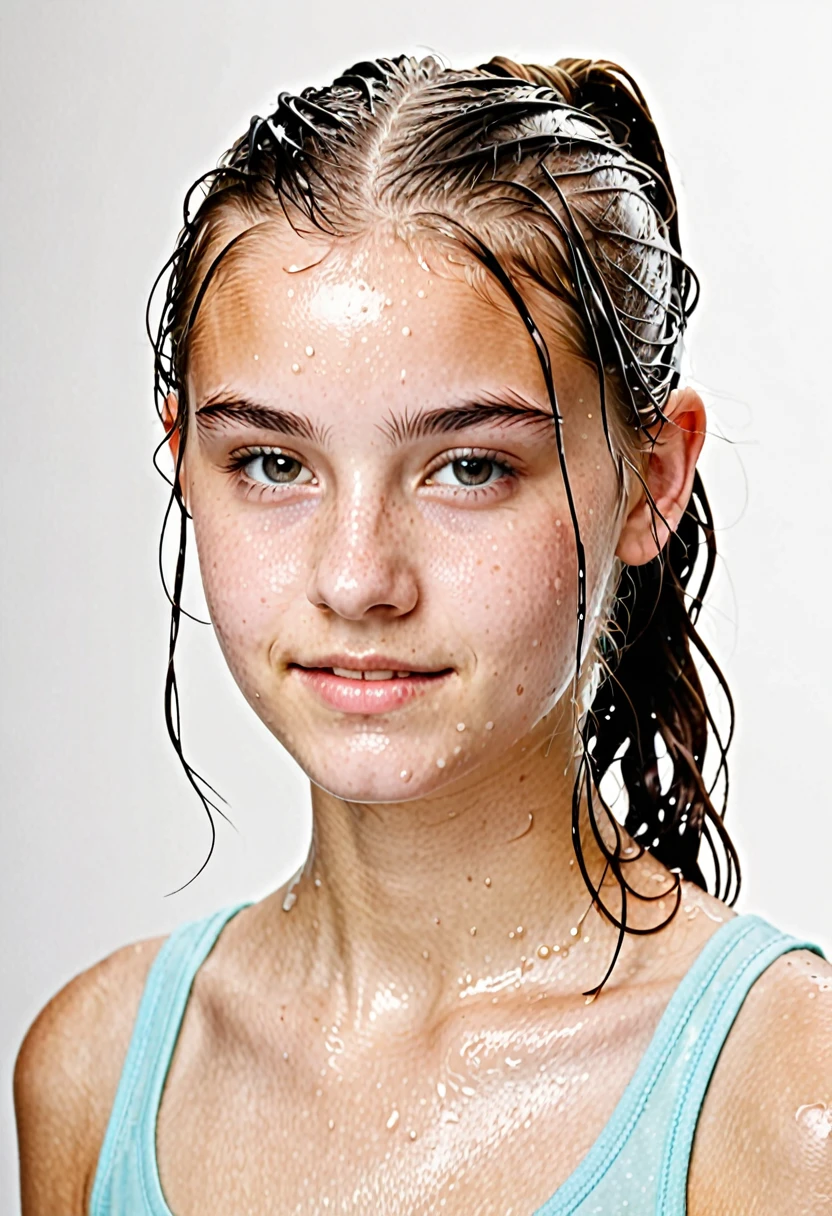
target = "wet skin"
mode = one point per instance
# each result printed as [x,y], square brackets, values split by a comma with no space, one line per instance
[411,1035]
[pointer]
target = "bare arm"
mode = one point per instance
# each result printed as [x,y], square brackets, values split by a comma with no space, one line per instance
[66,1076]
[763,1145]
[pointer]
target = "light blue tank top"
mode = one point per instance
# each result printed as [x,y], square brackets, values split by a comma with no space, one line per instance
[638,1164]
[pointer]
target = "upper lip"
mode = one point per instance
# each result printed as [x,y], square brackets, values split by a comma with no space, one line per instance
[370,662]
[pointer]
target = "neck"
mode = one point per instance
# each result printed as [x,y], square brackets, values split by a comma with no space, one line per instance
[452,894]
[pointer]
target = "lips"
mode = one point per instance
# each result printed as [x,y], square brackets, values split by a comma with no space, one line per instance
[370,688]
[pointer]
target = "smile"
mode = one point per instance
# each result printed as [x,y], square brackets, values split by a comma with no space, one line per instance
[368,690]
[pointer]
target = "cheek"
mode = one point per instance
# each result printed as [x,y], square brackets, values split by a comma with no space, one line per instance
[252,565]
[508,587]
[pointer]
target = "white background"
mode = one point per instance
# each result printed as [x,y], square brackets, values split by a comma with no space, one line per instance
[109,110]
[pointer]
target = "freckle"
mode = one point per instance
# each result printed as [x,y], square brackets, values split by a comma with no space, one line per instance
[519,690]
[405,331]
[296,368]
[495,568]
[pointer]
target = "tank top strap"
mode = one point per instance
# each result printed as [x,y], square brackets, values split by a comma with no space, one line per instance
[754,946]
[640,1160]
[127,1161]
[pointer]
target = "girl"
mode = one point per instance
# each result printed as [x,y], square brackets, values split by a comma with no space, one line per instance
[418,364]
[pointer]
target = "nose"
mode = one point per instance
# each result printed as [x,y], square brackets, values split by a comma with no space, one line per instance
[363,563]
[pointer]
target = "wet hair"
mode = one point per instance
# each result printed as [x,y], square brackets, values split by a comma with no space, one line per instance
[556,177]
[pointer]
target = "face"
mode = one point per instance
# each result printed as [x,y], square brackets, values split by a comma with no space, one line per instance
[374,481]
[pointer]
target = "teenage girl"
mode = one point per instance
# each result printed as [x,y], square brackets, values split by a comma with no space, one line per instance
[418,365]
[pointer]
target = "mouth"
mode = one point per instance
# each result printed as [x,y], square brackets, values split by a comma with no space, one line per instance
[368,687]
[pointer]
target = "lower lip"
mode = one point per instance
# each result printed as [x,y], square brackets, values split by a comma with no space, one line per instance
[367,696]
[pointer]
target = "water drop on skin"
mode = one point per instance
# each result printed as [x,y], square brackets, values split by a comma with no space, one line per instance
[296,368]
[440,763]
[489,726]
[405,774]
[405,331]
[543,951]
[460,726]
[393,1120]
[310,350]
[488,882]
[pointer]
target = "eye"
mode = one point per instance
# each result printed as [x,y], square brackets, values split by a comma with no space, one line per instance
[273,467]
[470,471]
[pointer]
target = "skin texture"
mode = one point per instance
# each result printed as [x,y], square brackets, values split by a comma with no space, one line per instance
[405,1038]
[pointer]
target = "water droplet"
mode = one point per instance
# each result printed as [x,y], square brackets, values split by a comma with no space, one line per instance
[388,302]
[535,642]
[403,375]
[405,331]
[487,882]
[256,357]
[473,930]
[290,292]
[426,954]
[393,1120]
[405,774]
[573,932]
[489,726]
[331,1124]
[460,726]
[412,1134]
[440,1089]
[520,930]
[310,350]
[564,952]
[543,952]
[420,293]
[440,763]
[296,368]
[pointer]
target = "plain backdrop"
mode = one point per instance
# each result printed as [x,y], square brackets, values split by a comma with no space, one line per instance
[110,108]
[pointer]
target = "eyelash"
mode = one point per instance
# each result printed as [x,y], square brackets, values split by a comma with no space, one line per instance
[238,461]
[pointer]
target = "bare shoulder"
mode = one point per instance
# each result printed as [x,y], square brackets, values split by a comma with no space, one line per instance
[763,1142]
[66,1076]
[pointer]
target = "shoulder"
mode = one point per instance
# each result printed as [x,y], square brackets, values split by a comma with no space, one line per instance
[764,1138]
[66,1076]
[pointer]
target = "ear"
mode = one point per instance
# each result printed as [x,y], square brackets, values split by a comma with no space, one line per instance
[669,476]
[170,411]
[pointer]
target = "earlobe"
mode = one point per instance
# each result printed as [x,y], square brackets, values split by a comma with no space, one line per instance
[668,476]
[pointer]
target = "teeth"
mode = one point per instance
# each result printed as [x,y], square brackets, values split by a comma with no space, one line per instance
[350,674]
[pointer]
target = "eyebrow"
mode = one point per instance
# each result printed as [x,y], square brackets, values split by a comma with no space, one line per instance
[399,428]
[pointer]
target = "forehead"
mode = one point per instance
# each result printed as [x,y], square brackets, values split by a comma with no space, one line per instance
[290,316]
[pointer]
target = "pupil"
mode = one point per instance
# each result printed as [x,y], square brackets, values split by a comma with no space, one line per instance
[278,467]
[473,470]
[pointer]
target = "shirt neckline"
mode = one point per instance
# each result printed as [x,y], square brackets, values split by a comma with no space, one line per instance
[615,1131]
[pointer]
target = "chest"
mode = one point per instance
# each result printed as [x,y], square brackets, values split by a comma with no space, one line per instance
[489,1116]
